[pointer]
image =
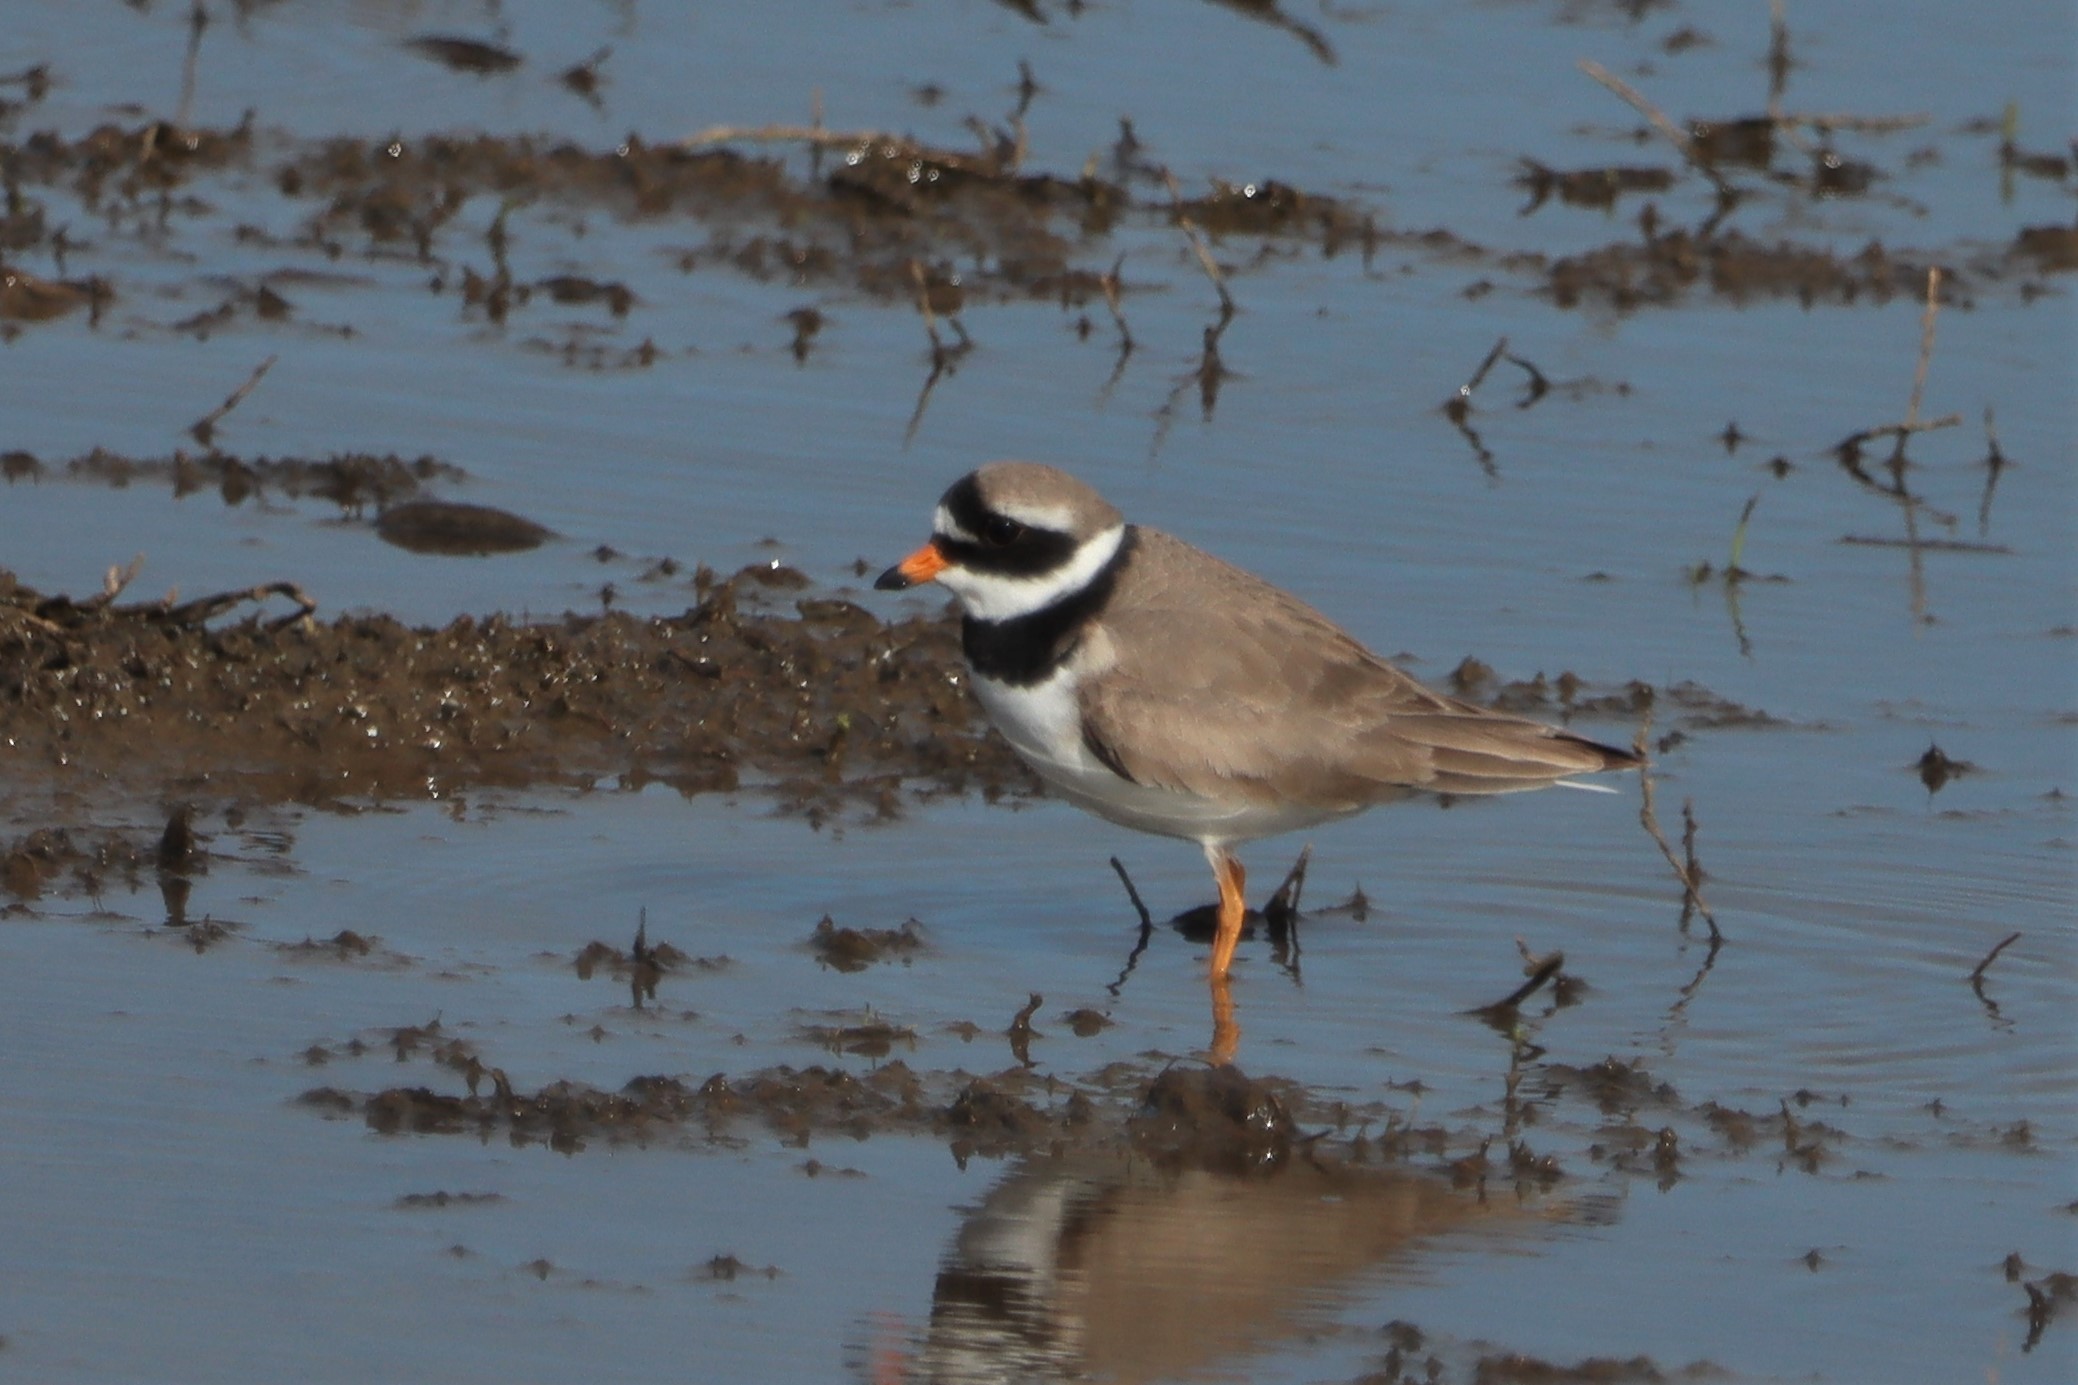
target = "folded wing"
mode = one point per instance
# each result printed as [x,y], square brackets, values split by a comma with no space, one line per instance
[1224,683]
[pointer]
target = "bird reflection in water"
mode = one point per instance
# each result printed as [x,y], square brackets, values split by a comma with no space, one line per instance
[1175,1259]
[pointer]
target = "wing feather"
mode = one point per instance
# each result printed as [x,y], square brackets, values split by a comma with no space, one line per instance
[1215,682]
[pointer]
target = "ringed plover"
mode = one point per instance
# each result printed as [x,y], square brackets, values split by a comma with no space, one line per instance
[1166,690]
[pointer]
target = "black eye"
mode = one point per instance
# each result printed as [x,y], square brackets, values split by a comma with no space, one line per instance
[1001,532]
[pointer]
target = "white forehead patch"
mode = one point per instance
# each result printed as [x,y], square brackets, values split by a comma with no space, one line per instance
[942,522]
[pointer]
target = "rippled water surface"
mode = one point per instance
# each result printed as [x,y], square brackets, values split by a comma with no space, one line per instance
[1844,1140]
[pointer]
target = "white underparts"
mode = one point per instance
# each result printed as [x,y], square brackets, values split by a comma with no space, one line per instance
[1043,723]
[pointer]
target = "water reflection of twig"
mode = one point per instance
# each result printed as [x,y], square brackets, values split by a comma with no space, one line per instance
[1504,1015]
[1146,928]
[1270,13]
[203,429]
[1991,1007]
[1695,983]
[1779,60]
[198,20]
[1111,285]
[1281,917]
[944,359]
[1727,195]
[1020,1033]
[1458,409]
[1211,370]
[1731,606]
[1848,452]
[1994,467]
[1689,871]
[1735,575]
[1916,562]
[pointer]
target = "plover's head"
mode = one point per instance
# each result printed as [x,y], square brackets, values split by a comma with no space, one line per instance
[1012,538]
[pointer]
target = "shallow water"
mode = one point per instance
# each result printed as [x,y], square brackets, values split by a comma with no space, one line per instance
[174,1213]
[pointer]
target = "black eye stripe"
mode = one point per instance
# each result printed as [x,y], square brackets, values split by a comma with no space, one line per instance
[963,503]
[1031,552]
[1034,553]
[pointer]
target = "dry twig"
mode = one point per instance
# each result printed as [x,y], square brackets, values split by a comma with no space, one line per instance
[203,430]
[1285,900]
[1539,970]
[204,609]
[1977,972]
[1460,404]
[1927,322]
[1021,1033]
[1673,133]
[1146,919]
[813,134]
[1204,255]
[113,582]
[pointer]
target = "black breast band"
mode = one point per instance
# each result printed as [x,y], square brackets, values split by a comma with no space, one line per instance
[1026,650]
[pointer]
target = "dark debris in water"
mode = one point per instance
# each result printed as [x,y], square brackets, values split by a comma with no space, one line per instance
[26,297]
[1216,1118]
[1588,187]
[412,1202]
[2048,1299]
[1937,767]
[346,945]
[794,1103]
[880,215]
[871,1037]
[1664,267]
[463,54]
[1518,1368]
[72,860]
[642,966]
[855,949]
[354,481]
[727,1268]
[458,530]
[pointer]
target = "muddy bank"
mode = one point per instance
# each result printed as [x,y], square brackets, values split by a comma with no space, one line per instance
[813,698]
[823,704]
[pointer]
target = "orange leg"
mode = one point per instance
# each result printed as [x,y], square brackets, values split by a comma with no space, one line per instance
[1233,905]
[1226,1030]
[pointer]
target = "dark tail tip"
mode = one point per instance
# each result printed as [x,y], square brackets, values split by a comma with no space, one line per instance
[1613,757]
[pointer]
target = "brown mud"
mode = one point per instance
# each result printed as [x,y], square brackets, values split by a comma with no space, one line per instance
[826,706]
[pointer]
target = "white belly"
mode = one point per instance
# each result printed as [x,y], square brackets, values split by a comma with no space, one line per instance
[1044,725]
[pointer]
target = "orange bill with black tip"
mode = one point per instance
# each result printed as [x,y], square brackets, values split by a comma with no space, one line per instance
[922,566]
